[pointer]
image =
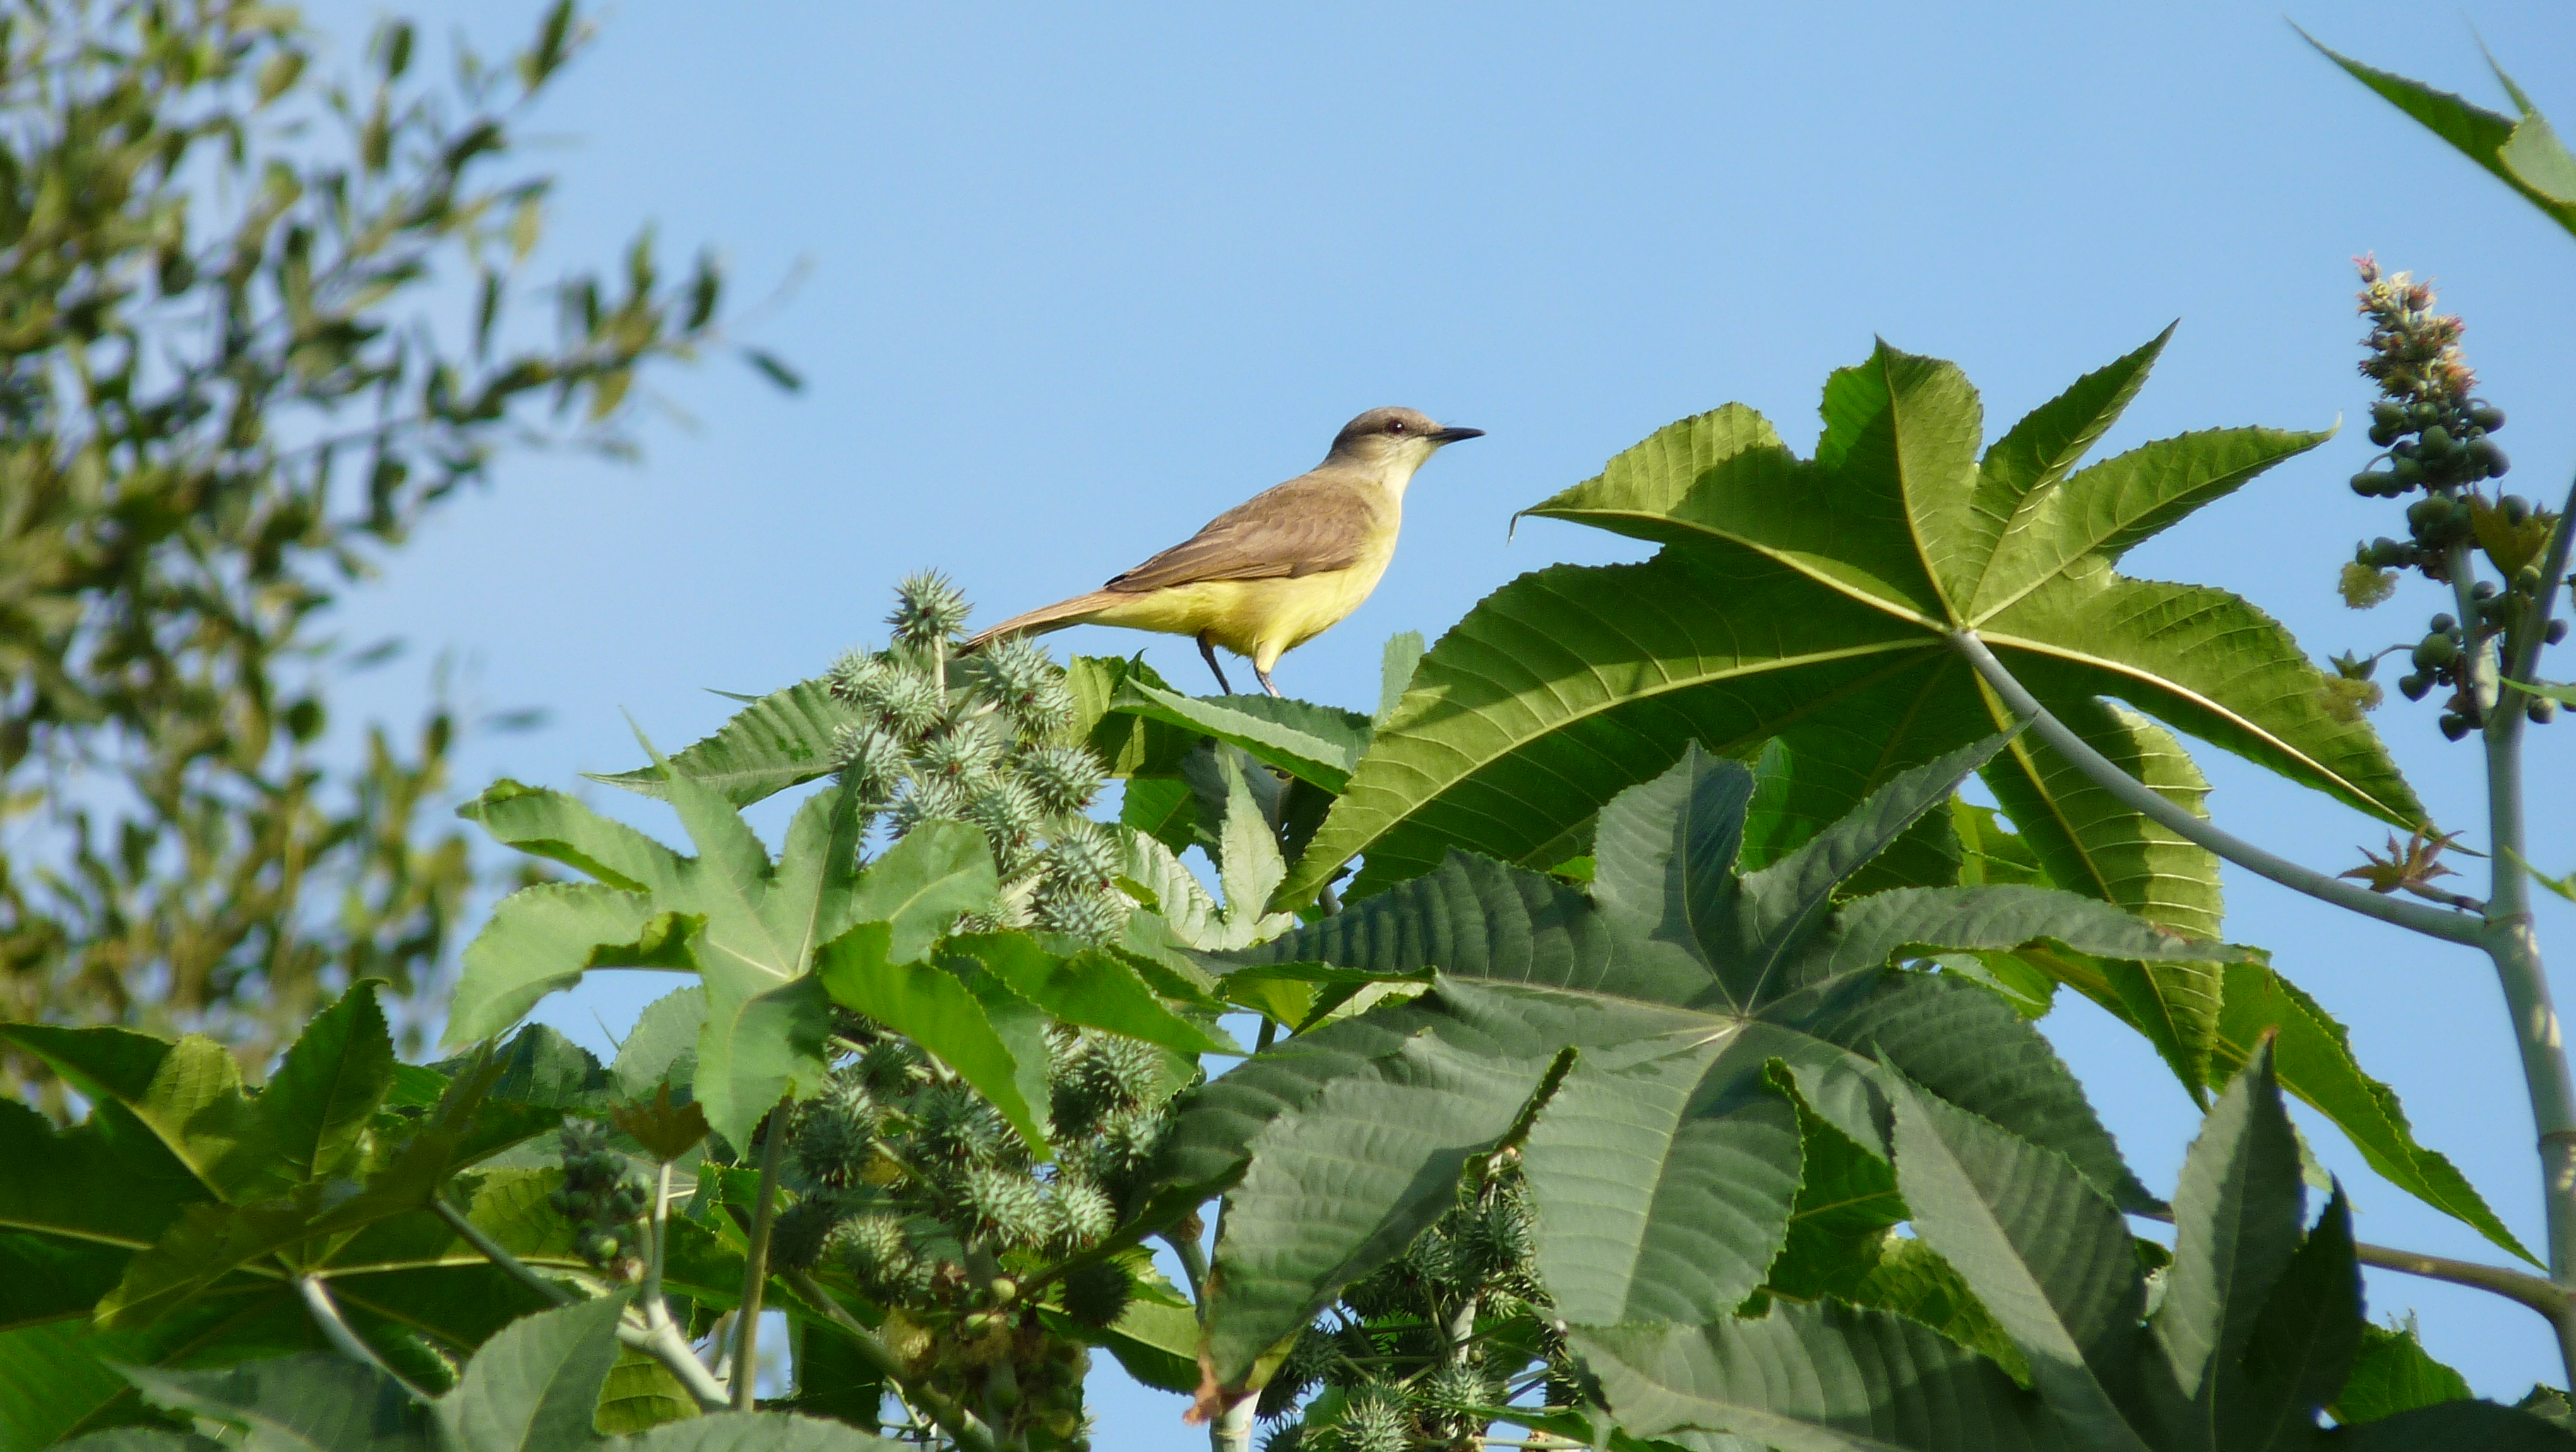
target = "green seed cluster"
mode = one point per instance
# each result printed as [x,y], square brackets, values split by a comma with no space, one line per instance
[2439,439]
[601,1195]
[1414,1351]
[980,740]
[913,1186]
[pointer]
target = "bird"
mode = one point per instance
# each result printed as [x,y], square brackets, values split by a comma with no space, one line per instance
[1278,569]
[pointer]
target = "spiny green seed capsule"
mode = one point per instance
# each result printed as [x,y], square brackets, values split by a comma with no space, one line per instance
[2486,416]
[2442,624]
[2556,632]
[2435,652]
[2515,508]
[2454,725]
[2413,687]
[2540,709]
[2433,443]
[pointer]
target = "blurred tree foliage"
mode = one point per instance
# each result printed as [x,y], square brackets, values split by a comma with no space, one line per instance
[253,326]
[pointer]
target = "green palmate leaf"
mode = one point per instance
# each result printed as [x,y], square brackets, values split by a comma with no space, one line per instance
[2525,155]
[1092,988]
[107,1184]
[756,1432]
[1843,1242]
[749,927]
[781,740]
[2313,1056]
[1312,743]
[931,1006]
[312,1403]
[334,1078]
[1813,600]
[541,939]
[2238,1215]
[1662,1162]
[921,886]
[640,1393]
[2045,1252]
[187,1094]
[535,1387]
[1395,673]
[2392,1373]
[2086,841]
[663,1045]
[1814,1379]
[1129,745]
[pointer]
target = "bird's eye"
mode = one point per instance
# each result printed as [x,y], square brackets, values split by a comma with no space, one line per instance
[1395,426]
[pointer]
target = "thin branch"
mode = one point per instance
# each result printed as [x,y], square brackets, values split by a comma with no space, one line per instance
[755,1265]
[2449,926]
[496,1253]
[962,1428]
[656,1337]
[326,1316]
[2545,1297]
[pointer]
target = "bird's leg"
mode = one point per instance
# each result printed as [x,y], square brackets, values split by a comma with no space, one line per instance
[1207,648]
[1265,681]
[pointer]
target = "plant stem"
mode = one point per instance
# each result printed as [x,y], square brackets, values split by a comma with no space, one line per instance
[755,1264]
[963,1429]
[326,1316]
[493,1251]
[2515,949]
[656,1245]
[656,1338]
[2545,1297]
[2454,927]
[1231,1430]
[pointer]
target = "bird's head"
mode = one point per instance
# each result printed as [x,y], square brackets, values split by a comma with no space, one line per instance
[1395,440]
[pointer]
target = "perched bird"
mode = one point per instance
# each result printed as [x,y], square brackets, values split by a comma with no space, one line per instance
[1278,569]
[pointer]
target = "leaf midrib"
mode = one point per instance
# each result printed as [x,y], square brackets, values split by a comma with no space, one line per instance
[2126,671]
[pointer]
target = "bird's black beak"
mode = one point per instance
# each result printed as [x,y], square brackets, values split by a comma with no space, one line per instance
[1451,436]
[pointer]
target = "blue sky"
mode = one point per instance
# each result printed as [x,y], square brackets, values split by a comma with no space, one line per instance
[1075,281]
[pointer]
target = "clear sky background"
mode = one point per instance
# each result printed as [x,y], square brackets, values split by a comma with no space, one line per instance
[1076,282]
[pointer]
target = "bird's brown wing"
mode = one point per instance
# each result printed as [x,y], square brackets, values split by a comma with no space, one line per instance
[1303,527]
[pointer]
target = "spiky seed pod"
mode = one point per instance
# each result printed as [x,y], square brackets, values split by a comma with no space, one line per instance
[929,799]
[1290,1438]
[1047,714]
[1095,916]
[879,1256]
[1008,812]
[1010,1208]
[1082,858]
[1083,1212]
[1457,1389]
[964,753]
[857,677]
[911,706]
[1011,674]
[871,761]
[889,1068]
[1374,1420]
[1097,1294]
[1066,779]
[928,609]
[797,1236]
[954,1124]
[836,1136]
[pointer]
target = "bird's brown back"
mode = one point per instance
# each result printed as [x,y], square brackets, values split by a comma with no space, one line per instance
[1311,524]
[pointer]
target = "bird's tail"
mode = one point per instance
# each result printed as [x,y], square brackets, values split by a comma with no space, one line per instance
[1038,622]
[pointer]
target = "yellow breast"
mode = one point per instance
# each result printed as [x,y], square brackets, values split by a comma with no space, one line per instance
[1260,619]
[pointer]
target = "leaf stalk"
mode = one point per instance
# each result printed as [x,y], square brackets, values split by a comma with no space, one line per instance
[335,1329]
[755,1264]
[962,1428]
[2451,927]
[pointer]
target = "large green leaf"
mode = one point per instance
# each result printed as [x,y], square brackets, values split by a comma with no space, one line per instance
[2525,155]
[1312,743]
[2393,1373]
[1813,600]
[534,1387]
[310,1403]
[331,1083]
[781,740]
[1662,1164]
[931,1006]
[2048,1255]
[748,926]
[756,1432]
[1814,1379]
